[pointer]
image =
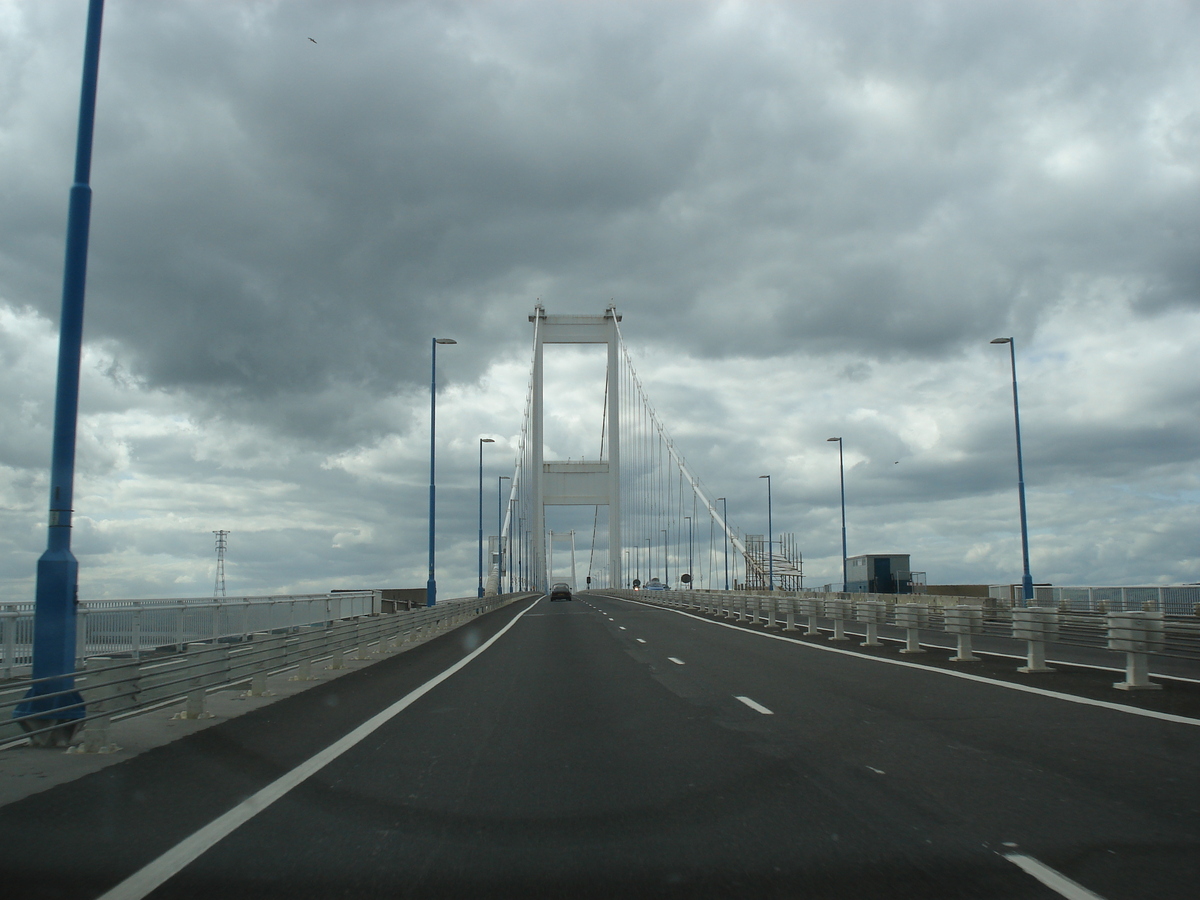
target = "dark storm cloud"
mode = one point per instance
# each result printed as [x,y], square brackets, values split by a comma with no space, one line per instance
[275,216]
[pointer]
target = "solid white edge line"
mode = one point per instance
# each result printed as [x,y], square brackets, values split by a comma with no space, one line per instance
[155,873]
[966,676]
[1051,878]
[754,705]
[677,661]
[1116,670]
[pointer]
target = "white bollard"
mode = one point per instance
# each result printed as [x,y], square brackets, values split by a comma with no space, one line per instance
[1035,625]
[1138,634]
[872,613]
[839,611]
[964,621]
[912,617]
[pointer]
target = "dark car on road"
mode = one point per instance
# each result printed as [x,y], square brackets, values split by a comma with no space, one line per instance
[560,591]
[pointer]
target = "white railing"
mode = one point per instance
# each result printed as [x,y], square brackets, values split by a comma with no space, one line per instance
[1172,599]
[1137,633]
[122,686]
[139,626]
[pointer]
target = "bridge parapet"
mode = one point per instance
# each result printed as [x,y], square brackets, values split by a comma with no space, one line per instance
[122,686]
[1137,634]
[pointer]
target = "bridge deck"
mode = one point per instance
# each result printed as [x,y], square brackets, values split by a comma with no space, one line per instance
[603,747]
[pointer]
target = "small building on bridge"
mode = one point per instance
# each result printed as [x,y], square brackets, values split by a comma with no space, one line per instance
[879,573]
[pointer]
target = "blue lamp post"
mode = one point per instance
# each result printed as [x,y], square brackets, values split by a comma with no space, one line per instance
[725,523]
[431,584]
[482,441]
[666,560]
[52,701]
[770,538]
[1026,578]
[842,478]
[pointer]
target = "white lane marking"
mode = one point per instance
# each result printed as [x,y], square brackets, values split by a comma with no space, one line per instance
[757,707]
[1116,670]
[877,771]
[966,676]
[678,662]
[641,640]
[622,627]
[155,873]
[1051,878]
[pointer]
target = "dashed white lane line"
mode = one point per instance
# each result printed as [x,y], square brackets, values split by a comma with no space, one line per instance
[153,874]
[1051,878]
[622,627]
[756,706]
[949,673]
[641,640]
[678,662]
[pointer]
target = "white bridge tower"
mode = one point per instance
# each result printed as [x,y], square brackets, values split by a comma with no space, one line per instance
[586,482]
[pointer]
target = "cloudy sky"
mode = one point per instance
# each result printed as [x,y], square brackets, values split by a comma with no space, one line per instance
[813,217]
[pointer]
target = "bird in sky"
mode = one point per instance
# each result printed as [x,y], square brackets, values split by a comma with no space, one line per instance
[312,40]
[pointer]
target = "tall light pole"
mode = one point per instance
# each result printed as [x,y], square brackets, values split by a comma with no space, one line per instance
[725,523]
[1026,578]
[57,587]
[770,538]
[842,478]
[482,441]
[431,584]
[691,574]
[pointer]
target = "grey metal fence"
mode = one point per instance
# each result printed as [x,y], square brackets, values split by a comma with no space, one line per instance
[139,626]
[123,685]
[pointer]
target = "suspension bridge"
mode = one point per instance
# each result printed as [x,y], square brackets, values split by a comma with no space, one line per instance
[653,519]
[728,733]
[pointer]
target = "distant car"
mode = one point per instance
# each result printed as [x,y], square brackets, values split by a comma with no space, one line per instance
[560,591]
[654,585]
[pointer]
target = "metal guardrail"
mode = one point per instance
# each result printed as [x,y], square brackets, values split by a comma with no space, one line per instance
[140,626]
[1172,599]
[1136,633]
[112,686]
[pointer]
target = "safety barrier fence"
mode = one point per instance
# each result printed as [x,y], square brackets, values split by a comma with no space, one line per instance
[143,626]
[1173,599]
[121,686]
[1136,633]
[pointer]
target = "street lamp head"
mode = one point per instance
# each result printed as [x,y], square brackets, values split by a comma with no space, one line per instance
[445,341]
[1006,340]
[487,441]
[833,439]
[764,476]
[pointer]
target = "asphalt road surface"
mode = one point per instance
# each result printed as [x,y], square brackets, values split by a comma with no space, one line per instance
[600,748]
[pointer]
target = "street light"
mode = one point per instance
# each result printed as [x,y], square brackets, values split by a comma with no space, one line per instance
[842,478]
[770,538]
[691,573]
[482,441]
[431,584]
[1026,578]
[52,696]
[725,523]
